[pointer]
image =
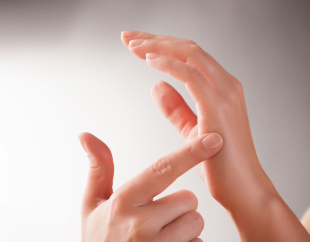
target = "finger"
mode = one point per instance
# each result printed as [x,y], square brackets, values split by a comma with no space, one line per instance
[127,36]
[197,84]
[183,50]
[101,171]
[164,210]
[157,177]
[196,240]
[174,108]
[305,220]
[185,228]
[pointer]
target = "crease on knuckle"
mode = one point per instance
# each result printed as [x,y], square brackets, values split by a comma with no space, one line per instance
[162,166]
[192,150]
[171,112]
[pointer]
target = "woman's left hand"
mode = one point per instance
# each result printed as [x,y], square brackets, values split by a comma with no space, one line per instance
[234,176]
[220,108]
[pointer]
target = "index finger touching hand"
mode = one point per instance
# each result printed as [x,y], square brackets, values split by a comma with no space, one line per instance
[161,174]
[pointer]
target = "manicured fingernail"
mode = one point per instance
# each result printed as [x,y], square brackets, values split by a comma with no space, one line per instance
[151,56]
[212,141]
[136,42]
[130,34]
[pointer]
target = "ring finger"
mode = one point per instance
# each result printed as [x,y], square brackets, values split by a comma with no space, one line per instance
[165,210]
[185,228]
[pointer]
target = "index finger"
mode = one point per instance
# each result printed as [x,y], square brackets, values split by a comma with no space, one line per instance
[161,174]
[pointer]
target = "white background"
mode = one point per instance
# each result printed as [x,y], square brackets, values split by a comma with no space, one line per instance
[64,70]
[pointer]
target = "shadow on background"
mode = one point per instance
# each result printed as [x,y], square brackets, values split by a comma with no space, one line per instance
[33,20]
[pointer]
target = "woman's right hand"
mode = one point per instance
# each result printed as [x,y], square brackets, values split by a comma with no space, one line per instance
[130,214]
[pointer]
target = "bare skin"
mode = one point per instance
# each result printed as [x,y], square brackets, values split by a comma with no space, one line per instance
[129,213]
[305,220]
[234,176]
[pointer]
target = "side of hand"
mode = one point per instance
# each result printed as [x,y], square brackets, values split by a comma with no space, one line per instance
[130,214]
[234,176]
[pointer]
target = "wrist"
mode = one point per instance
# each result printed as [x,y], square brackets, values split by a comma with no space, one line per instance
[253,218]
[269,219]
[240,185]
[255,191]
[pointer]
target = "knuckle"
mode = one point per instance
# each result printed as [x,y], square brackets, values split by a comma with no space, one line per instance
[196,49]
[193,71]
[194,151]
[189,199]
[188,41]
[238,86]
[232,97]
[212,69]
[234,93]
[162,166]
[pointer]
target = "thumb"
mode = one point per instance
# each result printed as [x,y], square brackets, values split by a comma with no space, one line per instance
[101,171]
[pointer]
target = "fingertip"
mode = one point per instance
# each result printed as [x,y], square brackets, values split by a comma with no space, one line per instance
[92,144]
[81,137]
[157,88]
[124,39]
[84,135]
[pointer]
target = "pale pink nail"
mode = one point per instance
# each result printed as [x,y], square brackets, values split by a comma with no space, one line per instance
[136,42]
[212,141]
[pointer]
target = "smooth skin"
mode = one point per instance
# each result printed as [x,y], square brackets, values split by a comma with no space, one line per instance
[305,220]
[130,213]
[234,176]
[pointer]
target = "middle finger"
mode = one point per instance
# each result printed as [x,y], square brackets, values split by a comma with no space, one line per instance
[198,86]
[183,50]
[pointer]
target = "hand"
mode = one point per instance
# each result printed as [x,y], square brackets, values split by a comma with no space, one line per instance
[234,176]
[130,214]
[220,107]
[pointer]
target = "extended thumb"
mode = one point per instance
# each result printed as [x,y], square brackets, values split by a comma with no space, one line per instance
[101,171]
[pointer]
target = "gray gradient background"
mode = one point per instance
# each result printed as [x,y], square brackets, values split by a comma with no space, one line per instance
[69,57]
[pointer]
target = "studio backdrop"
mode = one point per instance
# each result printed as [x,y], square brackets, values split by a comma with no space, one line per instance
[64,71]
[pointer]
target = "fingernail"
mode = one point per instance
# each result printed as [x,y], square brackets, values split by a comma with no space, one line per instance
[212,141]
[136,42]
[151,56]
[83,145]
[130,34]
